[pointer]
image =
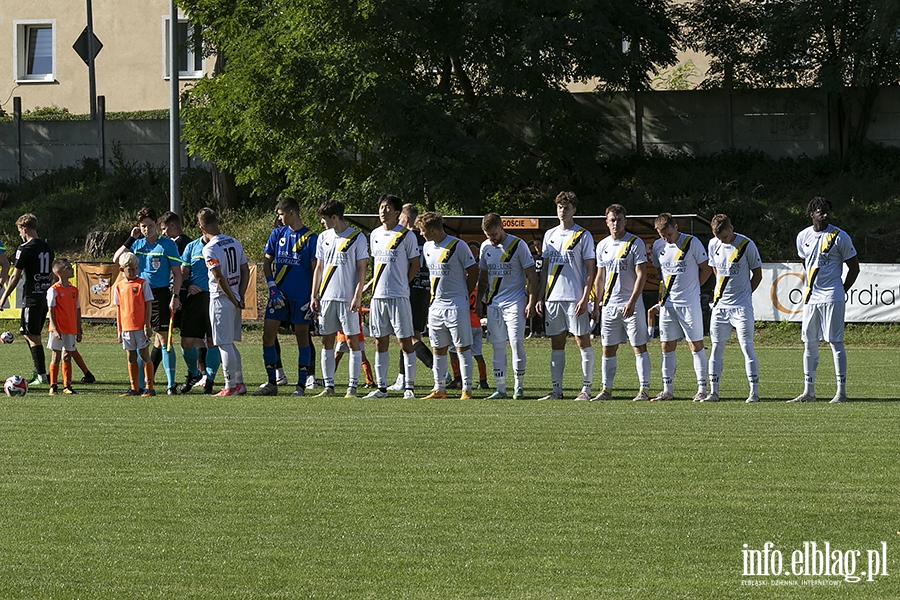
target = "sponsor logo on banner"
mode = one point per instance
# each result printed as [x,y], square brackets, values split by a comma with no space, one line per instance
[95,287]
[874,297]
[100,286]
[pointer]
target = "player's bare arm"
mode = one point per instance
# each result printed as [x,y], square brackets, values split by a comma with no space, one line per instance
[4,269]
[481,291]
[268,261]
[314,304]
[704,271]
[641,271]
[362,266]
[186,276]
[13,282]
[755,278]
[148,311]
[852,272]
[51,316]
[412,269]
[599,283]
[541,292]
[472,277]
[532,284]
[242,285]
[175,302]
[135,235]
[222,282]
[590,266]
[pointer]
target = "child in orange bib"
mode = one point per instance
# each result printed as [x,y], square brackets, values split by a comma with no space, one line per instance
[65,325]
[133,299]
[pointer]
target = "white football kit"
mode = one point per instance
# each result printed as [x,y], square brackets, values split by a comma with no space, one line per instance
[824,253]
[390,311]
[338,254]
[448,316]
[619,258]
[505,265]
[565,252]
[732,306]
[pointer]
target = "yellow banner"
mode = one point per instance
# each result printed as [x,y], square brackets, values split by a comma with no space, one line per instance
[13,307]
[95,282]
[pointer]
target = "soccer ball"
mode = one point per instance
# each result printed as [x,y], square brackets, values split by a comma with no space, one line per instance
[6,337]
[15,386]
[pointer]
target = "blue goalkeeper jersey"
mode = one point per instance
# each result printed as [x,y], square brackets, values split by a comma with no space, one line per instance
[294,253]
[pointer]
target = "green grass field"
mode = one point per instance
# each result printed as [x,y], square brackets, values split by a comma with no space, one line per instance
[200,497]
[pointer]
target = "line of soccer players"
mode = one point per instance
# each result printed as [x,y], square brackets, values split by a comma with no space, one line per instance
[323,277]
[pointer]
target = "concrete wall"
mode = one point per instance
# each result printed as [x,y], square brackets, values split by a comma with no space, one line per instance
[781,123]
[47,145]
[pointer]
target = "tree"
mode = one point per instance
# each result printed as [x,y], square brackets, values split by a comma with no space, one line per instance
[437,101]
[850,48]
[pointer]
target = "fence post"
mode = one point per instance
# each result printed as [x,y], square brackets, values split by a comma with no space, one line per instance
[17,117]
[101,130]
[638,124]
[729,116]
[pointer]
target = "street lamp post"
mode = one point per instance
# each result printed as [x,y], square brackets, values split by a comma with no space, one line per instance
[174,115]
[92,79]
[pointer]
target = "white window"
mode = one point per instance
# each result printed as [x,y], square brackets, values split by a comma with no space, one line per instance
[35,50]
[190,50]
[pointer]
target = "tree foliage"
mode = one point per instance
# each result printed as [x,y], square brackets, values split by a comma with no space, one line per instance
[848,47]
[437,101]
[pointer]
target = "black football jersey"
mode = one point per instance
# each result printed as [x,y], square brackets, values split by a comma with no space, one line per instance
[34,258]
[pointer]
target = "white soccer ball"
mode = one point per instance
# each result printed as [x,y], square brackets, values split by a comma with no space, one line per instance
[6,337]
[15,386]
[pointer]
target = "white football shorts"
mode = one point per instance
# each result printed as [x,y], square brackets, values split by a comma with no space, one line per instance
[390,316]
[336,315]
[450,326]
[559,317]
[616,329]
[677,322]
[823,322]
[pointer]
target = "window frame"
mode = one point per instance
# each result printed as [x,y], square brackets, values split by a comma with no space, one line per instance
[21,42]
[192,57]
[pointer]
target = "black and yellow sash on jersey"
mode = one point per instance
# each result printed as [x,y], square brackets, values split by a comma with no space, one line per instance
[342,246]
[443,257]
[666,285]
[393,244]
[505,258]
[553,275]
[824,248]
[611,278]
[722,280]
[283,270]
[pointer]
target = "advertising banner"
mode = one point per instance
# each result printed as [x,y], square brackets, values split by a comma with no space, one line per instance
[874,298]
[12,309]
[96,281]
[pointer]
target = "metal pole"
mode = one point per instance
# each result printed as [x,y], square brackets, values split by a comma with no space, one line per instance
[174,115]
[101,123]
[92,79]
[17,117]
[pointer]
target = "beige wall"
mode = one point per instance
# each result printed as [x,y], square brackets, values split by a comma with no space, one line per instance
[129,68]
